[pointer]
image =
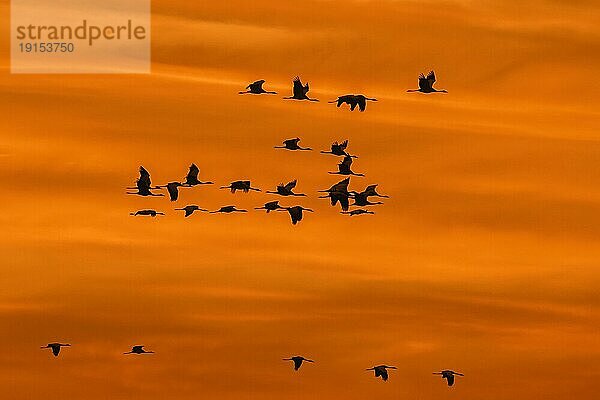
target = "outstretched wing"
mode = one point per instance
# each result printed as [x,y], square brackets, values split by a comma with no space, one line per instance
[431,77]
[344,144]
[305,89]
[424,83]
[298,89]
[291,185]
[362,103]
[193,173]
[256,86]
[144,181]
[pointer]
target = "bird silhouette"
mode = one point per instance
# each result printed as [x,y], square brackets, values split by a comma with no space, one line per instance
[286,189]
[151,213]
[270,206]
[55,347]
[298,361]
[144,184]
[338,197]
[344,168]
[139,350]
[362,199]
[256,88]
[244,186]
[189,210]
[371,191]
[353,100]
[191,178]
[341,186]
[381,371]
[227,210]
[292,144]
[358,211]
[339,149]
[299,91]
[448,375]
[173,189]
[426,84]
[295,213]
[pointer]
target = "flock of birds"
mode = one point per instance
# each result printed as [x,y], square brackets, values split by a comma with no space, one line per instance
[379,370]
[337,193]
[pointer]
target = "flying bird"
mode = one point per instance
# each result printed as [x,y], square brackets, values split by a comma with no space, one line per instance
[296,213]
[339,149]
[244,186]
[341,186]
[144,185]
[286,189]
[55,347]
[270,206]
[227,210]
[448,375]
[357,212]
[292,144]
[151,213]
[299,91]
[298,361]
[362,199]
[338,197]
[371,191]
[189,210]
[426,84]
[138,350]
[381,371]
[191,178]
[173,189]
[353,100]
[256,88]
[344,168]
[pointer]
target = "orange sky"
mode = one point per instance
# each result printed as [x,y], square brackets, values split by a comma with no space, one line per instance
[484,260]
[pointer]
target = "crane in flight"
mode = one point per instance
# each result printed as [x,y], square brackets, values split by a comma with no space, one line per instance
[286,189]
[189,210]
[191,178]
[244,186]
[362,199]
[344,168]
[270,206]
[173,189]
[55,347]
[256,88]
[371,190]
[295,213]
[353,100]
[150,213]
[227,210]
[381,371]
[448,375]
[298,360]
[143,184]
[426,84]
[358,211]
[139,349]
[299,91]
[339,149]
[292,144]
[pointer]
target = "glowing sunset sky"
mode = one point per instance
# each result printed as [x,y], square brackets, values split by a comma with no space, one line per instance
[484,260]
